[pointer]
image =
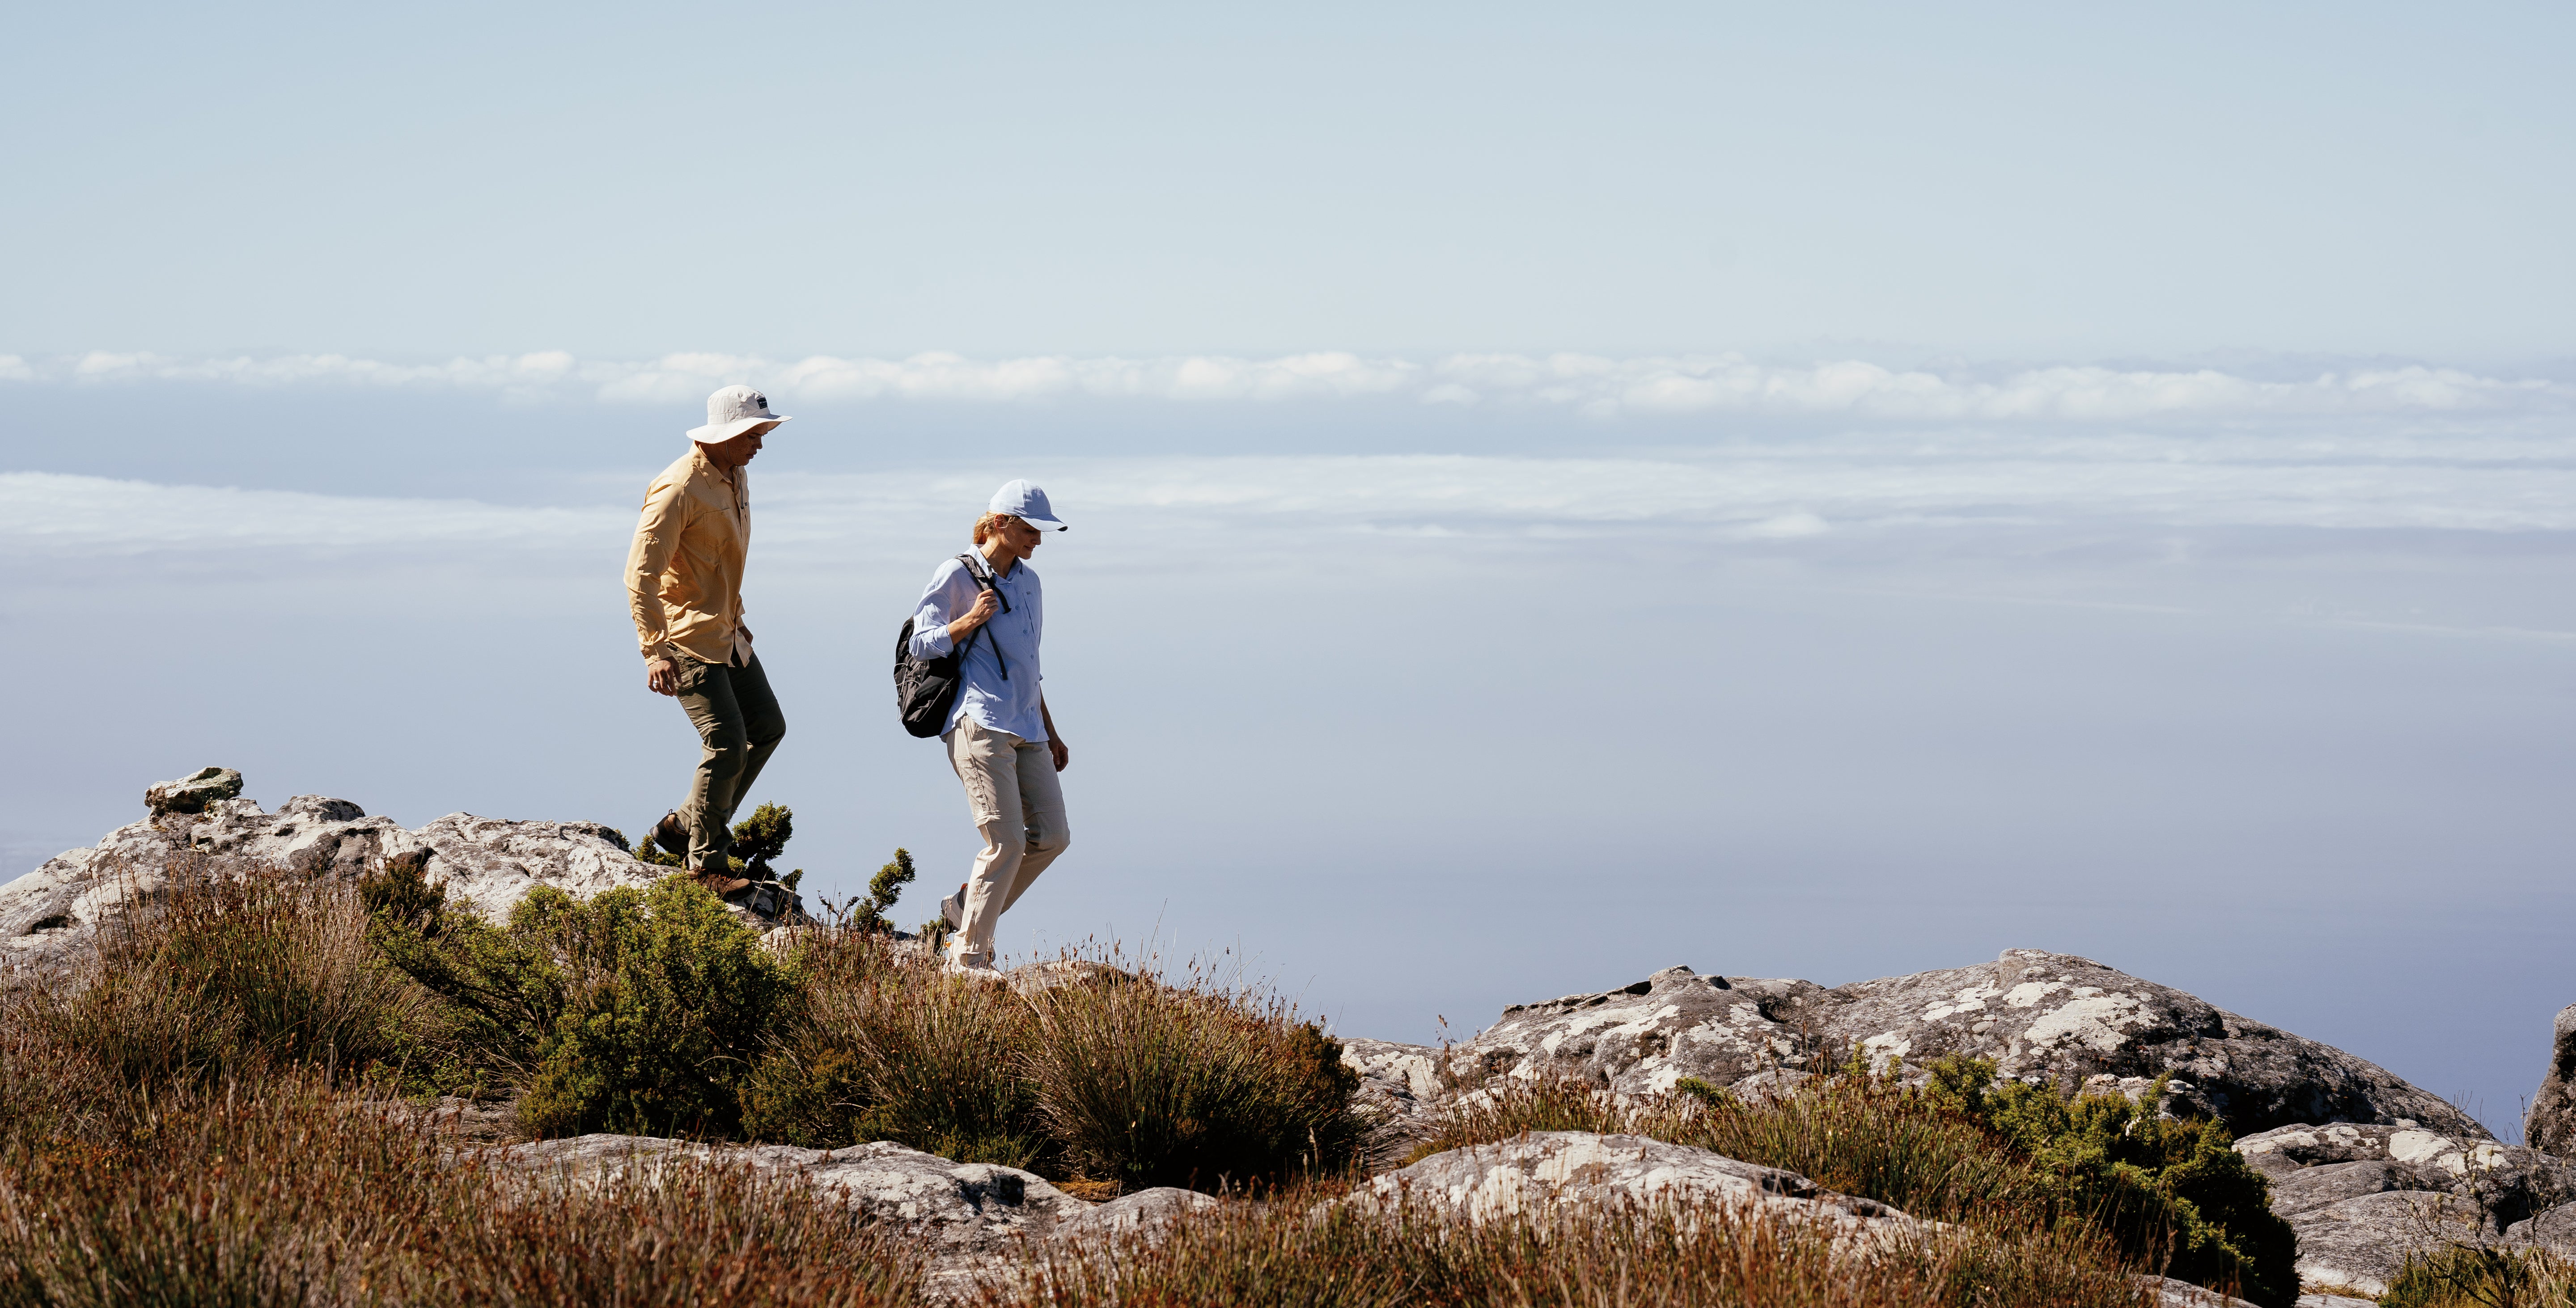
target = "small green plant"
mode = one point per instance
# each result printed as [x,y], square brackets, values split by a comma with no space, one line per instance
[758,842]
[884,888]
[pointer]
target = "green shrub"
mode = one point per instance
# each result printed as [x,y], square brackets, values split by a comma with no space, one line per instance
[635,1011]
[1145,1084]
[2171,1190]
[665,997]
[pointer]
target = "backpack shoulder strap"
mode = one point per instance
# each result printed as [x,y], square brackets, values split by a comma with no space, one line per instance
[984,581]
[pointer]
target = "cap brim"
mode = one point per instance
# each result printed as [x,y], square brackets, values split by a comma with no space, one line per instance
[1043,524]
[725,431]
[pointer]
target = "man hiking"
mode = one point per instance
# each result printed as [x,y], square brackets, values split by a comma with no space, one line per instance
[1001,739]
[684,583]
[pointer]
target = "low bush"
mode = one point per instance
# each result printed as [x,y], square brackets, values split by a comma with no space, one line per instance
[2173,1190]
[1574,1256]
[637,1011]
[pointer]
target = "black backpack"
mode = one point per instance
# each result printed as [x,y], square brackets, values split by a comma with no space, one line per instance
[925,690]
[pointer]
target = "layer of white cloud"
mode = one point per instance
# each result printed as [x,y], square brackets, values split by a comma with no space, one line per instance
[1589,384]
[1138,504]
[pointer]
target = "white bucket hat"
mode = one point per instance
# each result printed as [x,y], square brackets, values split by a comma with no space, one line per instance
[1026,501]
[733,411]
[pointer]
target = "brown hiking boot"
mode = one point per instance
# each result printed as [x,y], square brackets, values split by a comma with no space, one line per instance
[669,836]
[723,883]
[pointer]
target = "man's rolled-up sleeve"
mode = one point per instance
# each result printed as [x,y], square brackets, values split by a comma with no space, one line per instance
[656,535]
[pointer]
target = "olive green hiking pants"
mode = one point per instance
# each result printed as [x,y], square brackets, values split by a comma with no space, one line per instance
[739,726]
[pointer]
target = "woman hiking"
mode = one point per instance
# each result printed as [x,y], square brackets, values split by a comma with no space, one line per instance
[1000,738]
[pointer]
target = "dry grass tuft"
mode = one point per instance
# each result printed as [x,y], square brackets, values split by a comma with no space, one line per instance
[1576,1256]
[303,1195]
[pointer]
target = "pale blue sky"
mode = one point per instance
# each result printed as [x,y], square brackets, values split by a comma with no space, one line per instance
[2021,180]
[1821,491]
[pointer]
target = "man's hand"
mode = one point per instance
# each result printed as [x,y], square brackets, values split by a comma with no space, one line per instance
[1057,751]
[967,622]
[662,677]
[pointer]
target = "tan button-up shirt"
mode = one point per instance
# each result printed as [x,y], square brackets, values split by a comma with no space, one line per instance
[684,573]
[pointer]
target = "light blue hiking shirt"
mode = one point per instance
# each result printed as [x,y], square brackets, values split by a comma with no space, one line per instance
[1003,703]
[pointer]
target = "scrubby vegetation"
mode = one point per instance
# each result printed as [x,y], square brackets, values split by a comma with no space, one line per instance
[2168,1193]
[1253,1256]
[291,1194]
[220,1109]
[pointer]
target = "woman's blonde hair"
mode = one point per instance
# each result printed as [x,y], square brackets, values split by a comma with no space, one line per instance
[988,524]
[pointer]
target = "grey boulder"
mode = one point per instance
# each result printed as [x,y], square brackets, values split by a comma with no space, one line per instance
[2364,1197]
[2057,1018]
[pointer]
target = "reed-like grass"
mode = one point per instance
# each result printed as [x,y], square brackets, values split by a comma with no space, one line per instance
[1146,1081]
[1569,1256]
[887,1045]
[301,1195]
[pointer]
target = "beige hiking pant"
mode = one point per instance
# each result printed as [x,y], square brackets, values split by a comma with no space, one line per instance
[1018,805]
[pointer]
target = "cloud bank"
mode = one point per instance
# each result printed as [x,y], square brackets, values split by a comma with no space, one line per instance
[1888,493]
[1588,384]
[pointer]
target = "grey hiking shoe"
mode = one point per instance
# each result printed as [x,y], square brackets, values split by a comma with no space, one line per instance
[952,910]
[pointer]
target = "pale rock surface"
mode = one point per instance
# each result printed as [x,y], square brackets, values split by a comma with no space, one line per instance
[2052,1017]
[2171,1293]
[1145,1210]
[957,1208]
[2550,1125]
[1545,1168]
[486,863]
[2363,1196]
[191,793]
[1396,1080]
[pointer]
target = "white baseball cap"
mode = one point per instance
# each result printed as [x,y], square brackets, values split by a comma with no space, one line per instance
[733,411]
[1026,501]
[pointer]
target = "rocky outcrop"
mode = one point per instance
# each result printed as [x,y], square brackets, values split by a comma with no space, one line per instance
[193,792]
[2041,1016]
[1542,1169]
[487,863]
[2550,1125]
[2362,1198]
